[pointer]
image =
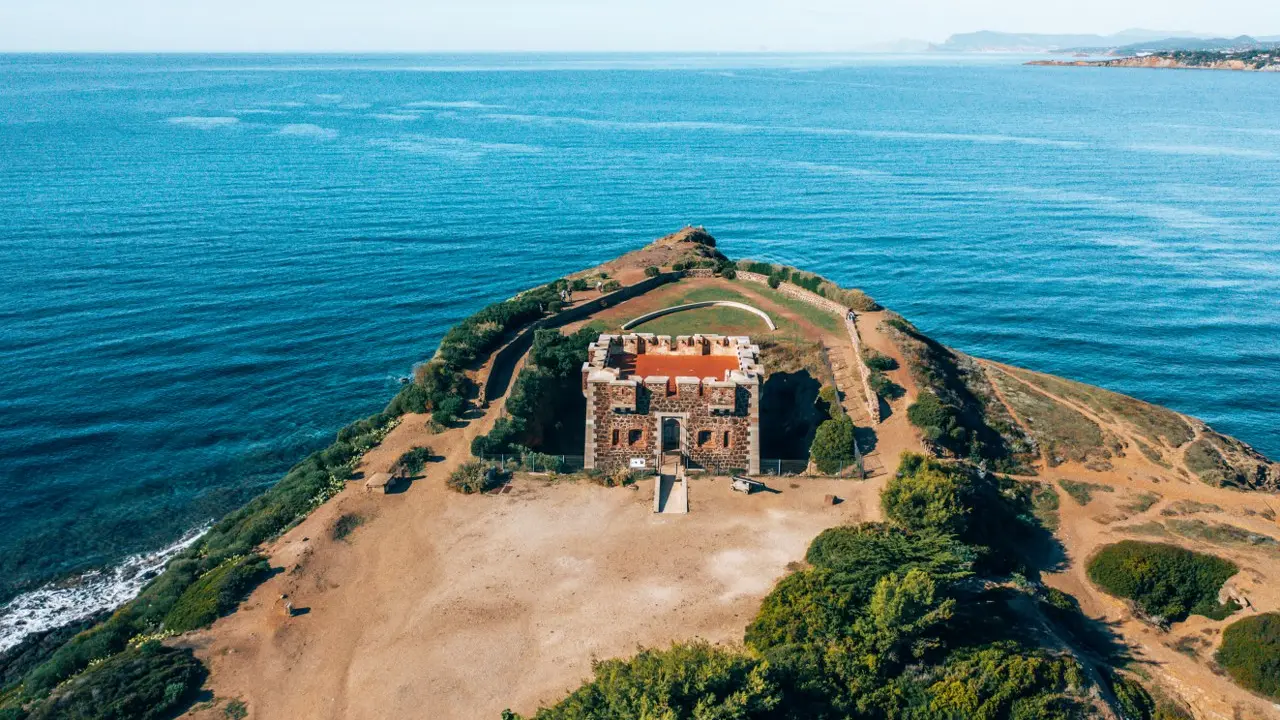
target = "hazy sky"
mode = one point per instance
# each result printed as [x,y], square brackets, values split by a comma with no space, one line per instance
[426,25]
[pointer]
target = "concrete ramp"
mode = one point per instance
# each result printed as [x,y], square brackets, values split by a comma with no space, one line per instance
[671,491]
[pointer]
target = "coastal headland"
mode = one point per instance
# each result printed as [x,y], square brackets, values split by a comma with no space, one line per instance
[498,574]
[1251,61]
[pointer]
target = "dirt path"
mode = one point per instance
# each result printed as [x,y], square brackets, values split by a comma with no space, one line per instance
[894,434]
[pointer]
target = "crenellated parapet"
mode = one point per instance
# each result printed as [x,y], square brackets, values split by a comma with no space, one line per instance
[707,385]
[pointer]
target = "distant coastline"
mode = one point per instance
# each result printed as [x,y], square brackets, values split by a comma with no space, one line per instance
[1244,62]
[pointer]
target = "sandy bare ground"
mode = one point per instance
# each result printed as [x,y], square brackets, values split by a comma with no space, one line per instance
[451,606]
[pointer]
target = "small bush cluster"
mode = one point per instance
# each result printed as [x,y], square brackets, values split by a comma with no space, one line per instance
[1081,491]
[150,682]
[217,593]
[652,271]
[345,525]
[878,361]
[1250,653]
[1165,582]
[414,459]
[778,274]
[472,477]
[437,387]
[481,333]
[882,386]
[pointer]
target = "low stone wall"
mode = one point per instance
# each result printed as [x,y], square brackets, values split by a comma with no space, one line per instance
[873,400]
[700,272]
[831,306]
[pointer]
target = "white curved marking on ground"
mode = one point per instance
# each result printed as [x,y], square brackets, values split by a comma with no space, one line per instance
[693,306]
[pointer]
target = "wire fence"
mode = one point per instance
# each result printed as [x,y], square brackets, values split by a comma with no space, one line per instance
[850,468]
[540,462]
[536,462]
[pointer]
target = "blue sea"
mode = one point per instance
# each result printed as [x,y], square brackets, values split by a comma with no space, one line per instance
[211,263]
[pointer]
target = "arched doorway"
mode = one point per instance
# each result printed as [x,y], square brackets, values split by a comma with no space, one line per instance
[670,434]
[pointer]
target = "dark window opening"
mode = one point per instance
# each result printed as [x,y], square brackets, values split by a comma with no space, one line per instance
[726,439]
[634,436]
[615,437]
[704,438]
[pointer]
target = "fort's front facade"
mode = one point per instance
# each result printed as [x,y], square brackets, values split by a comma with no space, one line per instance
[698,396]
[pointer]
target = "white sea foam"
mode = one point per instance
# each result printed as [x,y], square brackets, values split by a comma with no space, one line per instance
[395,117]
[59,603]
[204,123]
[454,148]
[308,130]
[459,104]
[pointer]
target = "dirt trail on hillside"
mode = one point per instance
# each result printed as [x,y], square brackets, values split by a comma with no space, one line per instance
[1180,659]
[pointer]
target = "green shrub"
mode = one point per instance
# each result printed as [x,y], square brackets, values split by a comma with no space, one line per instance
[829,396]
[652,271]
[235,710]
[1134,700]
[472,477]
[611,286]
[448,409]
[217,593]
[775,280]
[803,607]
[150,682]
[759,268]
[877,360]
[1164,581]
[477,335]
[833,445]
[937,421]
[1082,492]
[1045,503]
[926,496]
[414,459]
[345,525]
[685,681]
[1250,653]
[884,387]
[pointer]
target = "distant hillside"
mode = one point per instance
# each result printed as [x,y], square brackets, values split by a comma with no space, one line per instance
[1178,44]
[993,41]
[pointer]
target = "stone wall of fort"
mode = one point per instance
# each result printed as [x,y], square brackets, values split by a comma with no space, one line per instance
[720,422]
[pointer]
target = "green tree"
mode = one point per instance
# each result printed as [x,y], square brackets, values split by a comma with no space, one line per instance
[693,681]
[926,497]
[833,445]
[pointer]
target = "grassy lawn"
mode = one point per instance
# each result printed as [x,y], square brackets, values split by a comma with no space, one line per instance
[823,319]
[708,320]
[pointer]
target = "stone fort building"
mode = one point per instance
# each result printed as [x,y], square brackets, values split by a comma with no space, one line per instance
[650,395]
